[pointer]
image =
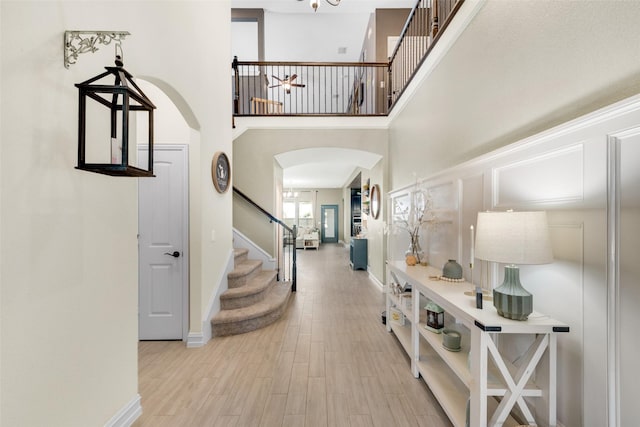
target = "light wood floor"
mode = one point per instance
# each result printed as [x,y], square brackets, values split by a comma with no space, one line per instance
[328,362]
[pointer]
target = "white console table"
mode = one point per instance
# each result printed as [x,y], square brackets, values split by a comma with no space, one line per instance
[311,241]
[494,389]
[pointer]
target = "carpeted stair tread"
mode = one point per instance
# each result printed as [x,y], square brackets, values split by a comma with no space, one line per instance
[253,299]
[250,318]
[239,252]
[240,255]
[244,268]
[256,284]
[243,272]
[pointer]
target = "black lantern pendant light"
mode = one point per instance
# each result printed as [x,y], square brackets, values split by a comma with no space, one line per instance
[103,135]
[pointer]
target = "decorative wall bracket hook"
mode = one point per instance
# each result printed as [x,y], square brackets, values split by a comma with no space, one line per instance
[77,42]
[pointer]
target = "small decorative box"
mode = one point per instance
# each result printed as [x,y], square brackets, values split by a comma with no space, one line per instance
[396,316]
[435,317]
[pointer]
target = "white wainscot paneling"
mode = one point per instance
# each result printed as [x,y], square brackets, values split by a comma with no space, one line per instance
[550,178]
[443,196]
[441,238]
[558,291]
[470,205]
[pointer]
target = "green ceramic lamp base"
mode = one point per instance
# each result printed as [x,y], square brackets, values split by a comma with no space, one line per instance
[511,299]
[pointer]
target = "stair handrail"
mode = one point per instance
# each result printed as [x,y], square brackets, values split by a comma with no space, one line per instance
[291,230]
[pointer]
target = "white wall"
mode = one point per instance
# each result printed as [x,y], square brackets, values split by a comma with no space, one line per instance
[304,37]
[69,278]
[376,246]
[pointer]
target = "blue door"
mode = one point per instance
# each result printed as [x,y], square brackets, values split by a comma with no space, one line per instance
[329,230]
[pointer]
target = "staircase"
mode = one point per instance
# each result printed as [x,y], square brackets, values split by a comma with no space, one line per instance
[254,299]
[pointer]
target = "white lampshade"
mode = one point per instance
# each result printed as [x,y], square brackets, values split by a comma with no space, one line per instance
[513,237]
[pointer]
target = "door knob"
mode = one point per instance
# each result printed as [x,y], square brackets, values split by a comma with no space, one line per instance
[175,254]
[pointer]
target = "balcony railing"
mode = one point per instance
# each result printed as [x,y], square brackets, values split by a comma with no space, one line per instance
[341,88]
[309,88]
[426,22]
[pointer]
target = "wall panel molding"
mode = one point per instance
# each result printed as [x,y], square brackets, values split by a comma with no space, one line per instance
[553,177]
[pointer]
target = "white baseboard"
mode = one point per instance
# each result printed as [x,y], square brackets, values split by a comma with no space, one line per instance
[375,280]
[199,339]
[127,415]
[195,340]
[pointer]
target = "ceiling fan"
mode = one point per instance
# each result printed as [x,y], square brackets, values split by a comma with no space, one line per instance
[287,83]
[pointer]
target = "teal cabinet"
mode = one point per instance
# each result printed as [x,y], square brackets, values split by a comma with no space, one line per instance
[358,254]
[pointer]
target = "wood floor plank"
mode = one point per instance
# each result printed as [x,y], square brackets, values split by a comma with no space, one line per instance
[282,373]
[291,338]
[273,413]
[402,415]
[210,410]
[360,420]
[381,413]
[316,360]
[337,410]
[255,402]
[297,396]
[316,410]
[227,421]
[356,393]
[303,348]
[293,421]
[239,389]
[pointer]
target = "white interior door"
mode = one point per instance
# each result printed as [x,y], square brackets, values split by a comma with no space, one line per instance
[163,261]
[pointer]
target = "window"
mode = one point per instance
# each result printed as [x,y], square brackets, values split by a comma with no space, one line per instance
[298,210]
[289,210]
[305,214]
[289,213]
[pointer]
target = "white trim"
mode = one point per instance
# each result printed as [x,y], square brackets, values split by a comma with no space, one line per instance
[255,252]
[374,279]
[612,294]
[126,416]
[300,122]
[195,340]
[613,281]
[199,339]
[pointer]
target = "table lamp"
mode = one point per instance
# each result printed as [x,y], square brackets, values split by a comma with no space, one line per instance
[513,238]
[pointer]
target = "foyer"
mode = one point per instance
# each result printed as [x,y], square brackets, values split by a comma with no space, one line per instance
[327,362]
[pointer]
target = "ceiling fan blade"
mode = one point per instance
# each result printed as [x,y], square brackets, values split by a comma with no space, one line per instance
[293,77]
[276,78]
[274,86]
[297,85]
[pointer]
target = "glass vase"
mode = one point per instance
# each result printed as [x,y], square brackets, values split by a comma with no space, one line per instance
[415,250]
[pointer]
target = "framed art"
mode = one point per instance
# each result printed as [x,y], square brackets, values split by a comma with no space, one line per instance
[221,172]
